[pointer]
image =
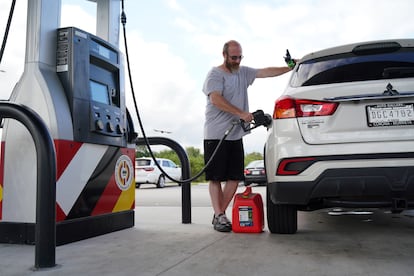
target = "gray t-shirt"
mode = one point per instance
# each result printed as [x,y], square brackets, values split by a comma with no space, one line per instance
[233,87]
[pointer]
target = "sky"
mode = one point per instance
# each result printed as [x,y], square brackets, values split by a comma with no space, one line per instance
[174,43]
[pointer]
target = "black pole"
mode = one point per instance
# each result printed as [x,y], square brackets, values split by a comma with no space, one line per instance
[45,229]
[185,172]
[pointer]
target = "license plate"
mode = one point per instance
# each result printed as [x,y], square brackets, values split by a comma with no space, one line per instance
[390,114]
[255,172]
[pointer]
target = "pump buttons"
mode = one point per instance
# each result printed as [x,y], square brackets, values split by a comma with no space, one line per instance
[108,122]
[99,124]
[119,129]
[110,127]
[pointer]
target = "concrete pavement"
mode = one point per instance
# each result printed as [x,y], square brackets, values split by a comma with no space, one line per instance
[159,244]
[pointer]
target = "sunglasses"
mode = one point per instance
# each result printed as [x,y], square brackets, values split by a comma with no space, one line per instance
[236,57]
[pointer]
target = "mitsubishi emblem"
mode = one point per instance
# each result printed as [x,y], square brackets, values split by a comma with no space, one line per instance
[390,91]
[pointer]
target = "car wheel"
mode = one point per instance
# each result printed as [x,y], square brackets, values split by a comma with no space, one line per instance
[137,185]
[161,182]
[281,218]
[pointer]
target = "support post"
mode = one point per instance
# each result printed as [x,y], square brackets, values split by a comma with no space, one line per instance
[185,171]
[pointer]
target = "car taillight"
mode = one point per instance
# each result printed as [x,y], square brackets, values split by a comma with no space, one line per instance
[294,166]
[287,107]
[246,172]
[150,169]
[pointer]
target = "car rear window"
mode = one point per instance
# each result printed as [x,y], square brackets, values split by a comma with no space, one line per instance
[142,162]
[257,163]
[350,67]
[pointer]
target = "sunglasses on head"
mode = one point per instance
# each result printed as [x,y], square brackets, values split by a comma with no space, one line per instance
[236,57]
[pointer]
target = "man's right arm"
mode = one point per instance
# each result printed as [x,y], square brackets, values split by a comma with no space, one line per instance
[221,103]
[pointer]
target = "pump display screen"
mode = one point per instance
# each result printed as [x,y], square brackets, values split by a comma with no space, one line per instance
[99,92]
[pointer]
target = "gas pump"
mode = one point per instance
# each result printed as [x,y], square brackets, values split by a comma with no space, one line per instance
[91,72]
[74,80]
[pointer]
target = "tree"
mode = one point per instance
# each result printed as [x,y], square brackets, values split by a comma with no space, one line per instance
[141,151]
[195,158]
[196,162]
[168,154]
[251,157]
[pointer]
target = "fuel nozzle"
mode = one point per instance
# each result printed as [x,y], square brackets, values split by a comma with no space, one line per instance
[288,59]
[259,118]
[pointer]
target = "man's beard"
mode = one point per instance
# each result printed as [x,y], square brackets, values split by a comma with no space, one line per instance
[232,66]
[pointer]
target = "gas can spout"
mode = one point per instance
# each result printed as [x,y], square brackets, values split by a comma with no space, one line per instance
[247,192]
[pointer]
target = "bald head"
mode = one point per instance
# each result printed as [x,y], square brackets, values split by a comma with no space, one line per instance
[230,44]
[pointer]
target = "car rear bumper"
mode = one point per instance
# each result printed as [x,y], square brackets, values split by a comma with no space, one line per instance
[391,187]
[146,179]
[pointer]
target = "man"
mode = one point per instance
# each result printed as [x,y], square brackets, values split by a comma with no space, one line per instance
[227,101]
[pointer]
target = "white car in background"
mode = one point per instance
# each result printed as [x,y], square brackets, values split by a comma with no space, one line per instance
[147,172]
[343,133]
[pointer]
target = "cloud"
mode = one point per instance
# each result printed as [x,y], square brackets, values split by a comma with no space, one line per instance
[173,4]
[11,67]
[171,55]
[167,97]
[185,25]
[76,16]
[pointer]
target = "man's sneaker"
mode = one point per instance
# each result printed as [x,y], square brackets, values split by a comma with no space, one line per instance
[214,221]
[226,220]
[221,223]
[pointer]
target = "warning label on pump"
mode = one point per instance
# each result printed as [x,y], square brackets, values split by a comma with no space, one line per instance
[245,216]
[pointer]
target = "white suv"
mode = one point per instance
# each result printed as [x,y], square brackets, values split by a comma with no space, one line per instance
[343,133]
[146,171]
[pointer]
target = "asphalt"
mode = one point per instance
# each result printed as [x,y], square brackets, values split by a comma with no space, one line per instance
[159,244]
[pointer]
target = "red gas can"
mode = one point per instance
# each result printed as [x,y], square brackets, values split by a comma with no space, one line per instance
[248,214]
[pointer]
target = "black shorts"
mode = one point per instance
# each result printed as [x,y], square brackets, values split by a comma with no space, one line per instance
[228,163]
